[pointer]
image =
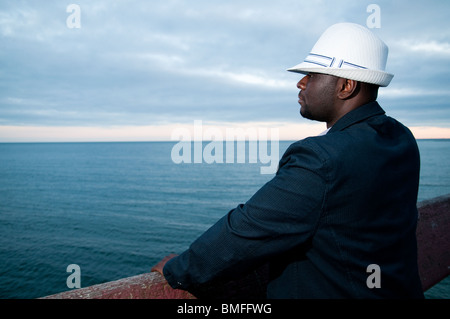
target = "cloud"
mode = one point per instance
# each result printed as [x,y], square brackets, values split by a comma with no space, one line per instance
[410,92]
[433,47]
[161,132]
[429,47]
[138,63]
[287,131]
[429,132]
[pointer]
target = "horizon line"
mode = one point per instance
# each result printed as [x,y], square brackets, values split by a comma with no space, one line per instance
[178,141]
[173,132]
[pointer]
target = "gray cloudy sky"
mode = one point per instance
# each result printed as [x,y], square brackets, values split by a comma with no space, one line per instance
[154,64]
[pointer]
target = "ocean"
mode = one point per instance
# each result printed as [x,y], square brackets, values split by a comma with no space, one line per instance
[116,209]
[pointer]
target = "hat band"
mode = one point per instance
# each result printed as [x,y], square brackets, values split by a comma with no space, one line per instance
[328,62]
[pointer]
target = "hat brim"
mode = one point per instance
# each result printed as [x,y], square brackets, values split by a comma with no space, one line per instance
[377,77]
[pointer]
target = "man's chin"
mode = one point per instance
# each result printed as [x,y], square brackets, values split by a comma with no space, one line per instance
[304,113]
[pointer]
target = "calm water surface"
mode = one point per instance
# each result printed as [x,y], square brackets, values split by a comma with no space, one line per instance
[115,209]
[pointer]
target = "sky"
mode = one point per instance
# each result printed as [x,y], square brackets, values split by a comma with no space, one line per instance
[139,70]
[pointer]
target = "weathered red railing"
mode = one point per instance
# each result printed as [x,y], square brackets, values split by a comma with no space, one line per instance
[433,236]
[433,240]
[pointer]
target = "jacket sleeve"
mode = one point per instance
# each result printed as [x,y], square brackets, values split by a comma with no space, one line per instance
[281,215]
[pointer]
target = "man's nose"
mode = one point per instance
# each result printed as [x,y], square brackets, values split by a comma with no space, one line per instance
[302,83]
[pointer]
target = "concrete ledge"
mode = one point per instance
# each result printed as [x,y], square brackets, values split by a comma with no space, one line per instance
[146,286]
[433,240]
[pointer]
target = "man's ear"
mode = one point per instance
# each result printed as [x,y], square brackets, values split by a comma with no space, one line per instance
[347,88]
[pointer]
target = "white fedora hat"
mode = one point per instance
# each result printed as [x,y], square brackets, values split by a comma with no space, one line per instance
[349,51]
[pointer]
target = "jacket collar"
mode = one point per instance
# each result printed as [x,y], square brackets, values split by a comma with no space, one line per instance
[357,115]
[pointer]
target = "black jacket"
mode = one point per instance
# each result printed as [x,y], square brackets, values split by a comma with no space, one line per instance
[337,204]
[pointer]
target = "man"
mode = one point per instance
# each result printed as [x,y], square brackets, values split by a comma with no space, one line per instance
[340,205]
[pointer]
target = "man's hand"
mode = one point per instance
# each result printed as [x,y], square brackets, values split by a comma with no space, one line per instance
[160,265]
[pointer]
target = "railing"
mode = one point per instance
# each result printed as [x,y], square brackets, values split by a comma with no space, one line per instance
[433,240]
[433,236]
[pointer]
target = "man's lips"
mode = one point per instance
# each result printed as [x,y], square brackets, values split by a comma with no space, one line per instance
[300,97]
